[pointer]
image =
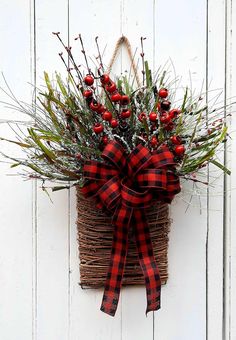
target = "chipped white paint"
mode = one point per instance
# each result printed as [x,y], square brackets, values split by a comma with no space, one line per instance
[40,298]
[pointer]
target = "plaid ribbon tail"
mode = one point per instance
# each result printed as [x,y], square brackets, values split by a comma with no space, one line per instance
[147,260]
[121,222]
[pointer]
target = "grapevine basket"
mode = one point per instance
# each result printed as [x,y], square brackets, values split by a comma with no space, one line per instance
[95,233]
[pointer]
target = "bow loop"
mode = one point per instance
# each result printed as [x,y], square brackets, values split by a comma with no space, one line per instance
[109,193]
[138,159]
[90,188]
[162,157]
[152,178]
[99,171]
[114,153]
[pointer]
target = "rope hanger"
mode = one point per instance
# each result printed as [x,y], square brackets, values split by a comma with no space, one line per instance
[124,41]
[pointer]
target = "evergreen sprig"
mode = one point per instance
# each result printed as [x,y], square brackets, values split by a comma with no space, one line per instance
[60,134]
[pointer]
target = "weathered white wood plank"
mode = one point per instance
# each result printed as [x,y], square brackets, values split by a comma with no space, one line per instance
[230,234]
[232,81]
[135,324]
[100,19]
[52,218]
[15,206]
[232,157]
[180,35]
[215,78]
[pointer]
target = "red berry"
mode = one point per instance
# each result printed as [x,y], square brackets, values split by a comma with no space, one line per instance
[179,150]
[165,105]
[124,100]
[116,97]
[95,106]
[89,80]
[169,127]
[125,114]
[87,93]
[105,79]
[165,118]
[163,93]
[111,88]
[105,140]
[176,140]
[98,128]
[174,113]
[153,116]
[114,123]
[154,142]
[78,156]
[142,116]
[107,116]
[101,109]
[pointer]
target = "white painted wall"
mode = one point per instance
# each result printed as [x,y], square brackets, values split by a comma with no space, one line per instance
[40,298]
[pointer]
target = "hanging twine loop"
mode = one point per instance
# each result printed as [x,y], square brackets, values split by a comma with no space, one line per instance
[124,41]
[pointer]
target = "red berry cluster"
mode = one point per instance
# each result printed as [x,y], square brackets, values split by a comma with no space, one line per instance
[163,115]
[166,117]
[115,97]
[167,120]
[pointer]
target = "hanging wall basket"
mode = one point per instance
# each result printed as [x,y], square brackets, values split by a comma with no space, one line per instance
[95,233]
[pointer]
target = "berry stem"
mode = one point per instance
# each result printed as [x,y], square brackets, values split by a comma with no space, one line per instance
[84,53]
[111,102]
[99,54]
[68,50]
[143,63]
[68,68]
[107,94]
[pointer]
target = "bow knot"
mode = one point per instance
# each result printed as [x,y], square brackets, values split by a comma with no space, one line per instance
[126,184]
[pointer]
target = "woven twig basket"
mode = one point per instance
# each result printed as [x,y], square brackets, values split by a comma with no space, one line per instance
[95,241]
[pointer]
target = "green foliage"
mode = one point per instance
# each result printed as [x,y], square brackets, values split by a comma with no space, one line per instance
[60,137]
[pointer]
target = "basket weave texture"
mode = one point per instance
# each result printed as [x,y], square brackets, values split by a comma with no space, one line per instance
[95,232]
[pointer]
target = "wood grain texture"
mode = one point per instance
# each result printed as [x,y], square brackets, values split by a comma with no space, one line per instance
[231,82]
[86,318]
[229,235]
[15,206]
[40,298]
[184,292]
[136,325]
[52,242]
[215,79]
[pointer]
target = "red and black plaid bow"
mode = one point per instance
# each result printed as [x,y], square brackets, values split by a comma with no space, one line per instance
[126,185]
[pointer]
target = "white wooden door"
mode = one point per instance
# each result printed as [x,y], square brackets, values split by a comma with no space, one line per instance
[40,298]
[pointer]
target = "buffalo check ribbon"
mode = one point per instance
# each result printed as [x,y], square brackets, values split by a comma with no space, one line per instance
[126,185]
